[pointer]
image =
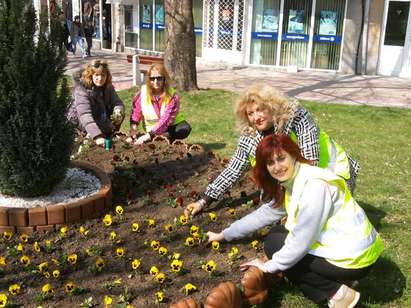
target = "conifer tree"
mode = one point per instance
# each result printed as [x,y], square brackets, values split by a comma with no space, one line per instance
[35,138]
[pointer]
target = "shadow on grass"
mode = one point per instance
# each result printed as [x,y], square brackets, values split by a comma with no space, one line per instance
[374,214]
[213,146]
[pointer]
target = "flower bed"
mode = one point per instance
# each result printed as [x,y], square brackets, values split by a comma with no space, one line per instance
[142,252]
[46,218]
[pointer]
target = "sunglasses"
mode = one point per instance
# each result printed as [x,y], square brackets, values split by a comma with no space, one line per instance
[158,78]
[98,63]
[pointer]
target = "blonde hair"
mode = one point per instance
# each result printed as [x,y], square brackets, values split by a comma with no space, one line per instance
[280,106]
[95,67]
[163,72]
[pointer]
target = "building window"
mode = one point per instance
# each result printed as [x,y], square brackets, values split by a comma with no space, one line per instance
[264,35]
[131,37]
[328,26]
[397,19]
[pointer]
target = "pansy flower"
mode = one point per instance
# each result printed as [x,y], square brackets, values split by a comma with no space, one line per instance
[120,251]
[72,259]
[162,251]
[24,238]
[189,288]
[194,229]
[36,247]
[108,300]
[83,231]
[25,260]
[119,210]
[210,266]
[135,264]
[160,296]
[43,266]
[69,287]
[254,244]
[20,248]
[56,273]
[113,235]
[107,220]
[169,228]
[233,252]
[212,216]
[215,245]
[47,289]
[46,275]
[3,261]
[100,263]
[231,211]
[135,227]
[176,266]
[14,289]
[160,277]
[154,271]
[183,219]
[155,245]
[7,235]
[3,300]
[151,223]
[189,241]
[63,231]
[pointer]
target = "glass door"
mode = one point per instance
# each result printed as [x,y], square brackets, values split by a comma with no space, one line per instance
[198,25]
[224,36]
[264,35]
[295,37]
[328,27]
[106,25]
[394,37]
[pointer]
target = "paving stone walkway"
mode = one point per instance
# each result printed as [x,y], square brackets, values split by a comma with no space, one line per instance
[326,87]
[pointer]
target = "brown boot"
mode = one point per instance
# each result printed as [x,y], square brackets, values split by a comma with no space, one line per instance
[186,303]
[255,285]
[225,295]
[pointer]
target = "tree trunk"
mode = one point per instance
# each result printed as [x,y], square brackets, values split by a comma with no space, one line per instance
[180,49]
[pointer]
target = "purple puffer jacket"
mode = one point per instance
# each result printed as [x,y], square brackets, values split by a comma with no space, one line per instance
[91,109]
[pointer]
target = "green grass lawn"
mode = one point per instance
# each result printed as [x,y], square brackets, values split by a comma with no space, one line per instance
[378,138]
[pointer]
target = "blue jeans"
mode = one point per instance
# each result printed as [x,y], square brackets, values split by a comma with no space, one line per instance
[78,40]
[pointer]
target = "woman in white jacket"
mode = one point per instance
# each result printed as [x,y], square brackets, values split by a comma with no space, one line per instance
[327,239]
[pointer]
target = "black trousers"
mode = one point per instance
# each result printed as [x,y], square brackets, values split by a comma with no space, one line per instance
[179,131]
[318,279]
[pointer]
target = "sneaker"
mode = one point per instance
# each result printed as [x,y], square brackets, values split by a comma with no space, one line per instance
[349,298]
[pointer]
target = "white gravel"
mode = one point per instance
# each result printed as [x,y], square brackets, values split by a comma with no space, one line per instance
[77,185]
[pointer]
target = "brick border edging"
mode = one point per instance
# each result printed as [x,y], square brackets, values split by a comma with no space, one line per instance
[28,220]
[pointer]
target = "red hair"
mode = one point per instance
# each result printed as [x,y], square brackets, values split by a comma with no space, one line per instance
[270,145]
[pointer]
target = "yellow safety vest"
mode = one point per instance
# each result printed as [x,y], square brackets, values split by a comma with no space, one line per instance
[150,116]
[347,239]
[332,156]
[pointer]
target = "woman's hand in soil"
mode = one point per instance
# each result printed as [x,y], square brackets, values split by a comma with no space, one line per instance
[142,139]
[192,209]
[256,262]
[215,236]
[99,141]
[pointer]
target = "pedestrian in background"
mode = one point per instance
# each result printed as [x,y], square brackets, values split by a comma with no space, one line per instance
[77,35]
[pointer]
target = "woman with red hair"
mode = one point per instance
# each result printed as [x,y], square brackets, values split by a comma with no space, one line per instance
[327,239]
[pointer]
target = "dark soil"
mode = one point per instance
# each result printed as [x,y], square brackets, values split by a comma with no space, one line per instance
[147,181]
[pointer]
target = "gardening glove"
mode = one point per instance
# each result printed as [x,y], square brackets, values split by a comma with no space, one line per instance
[117,116]
[215,236]
[99,141]
[194,208]
[142,139]
[256,262]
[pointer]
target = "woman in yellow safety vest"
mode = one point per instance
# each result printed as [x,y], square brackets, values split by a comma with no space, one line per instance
[327,239]
[157,107]
[263,111]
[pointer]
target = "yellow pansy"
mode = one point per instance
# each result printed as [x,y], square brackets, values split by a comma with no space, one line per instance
[215,245]
[14,289]
[155,245]
[24,238]
[160,277]
[189,288]
[135,264]
[135,227]
[56,273]
[160,296]
[119,210]
[107,220]
[154,271]
[47,288]
[72,259]
[25,260]
[212,216]
[162,251]
[70,287]
[176,265]
[120,251]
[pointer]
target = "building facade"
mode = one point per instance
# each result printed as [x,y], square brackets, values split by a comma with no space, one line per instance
[347,36]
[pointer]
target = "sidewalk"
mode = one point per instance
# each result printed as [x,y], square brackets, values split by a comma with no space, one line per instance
[318,86]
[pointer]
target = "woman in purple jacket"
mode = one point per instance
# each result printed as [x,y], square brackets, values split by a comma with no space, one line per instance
[96,109]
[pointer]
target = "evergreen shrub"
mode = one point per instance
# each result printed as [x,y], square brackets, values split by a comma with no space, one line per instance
[35,138]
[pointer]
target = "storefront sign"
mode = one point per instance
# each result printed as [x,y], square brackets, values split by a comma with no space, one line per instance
[295,37]
[270,20]
[145,25]
[265,35]
[328,38]
[160,27]
[146,14]
[198,31]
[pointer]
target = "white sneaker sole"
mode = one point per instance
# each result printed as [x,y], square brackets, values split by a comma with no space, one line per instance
[355,301]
